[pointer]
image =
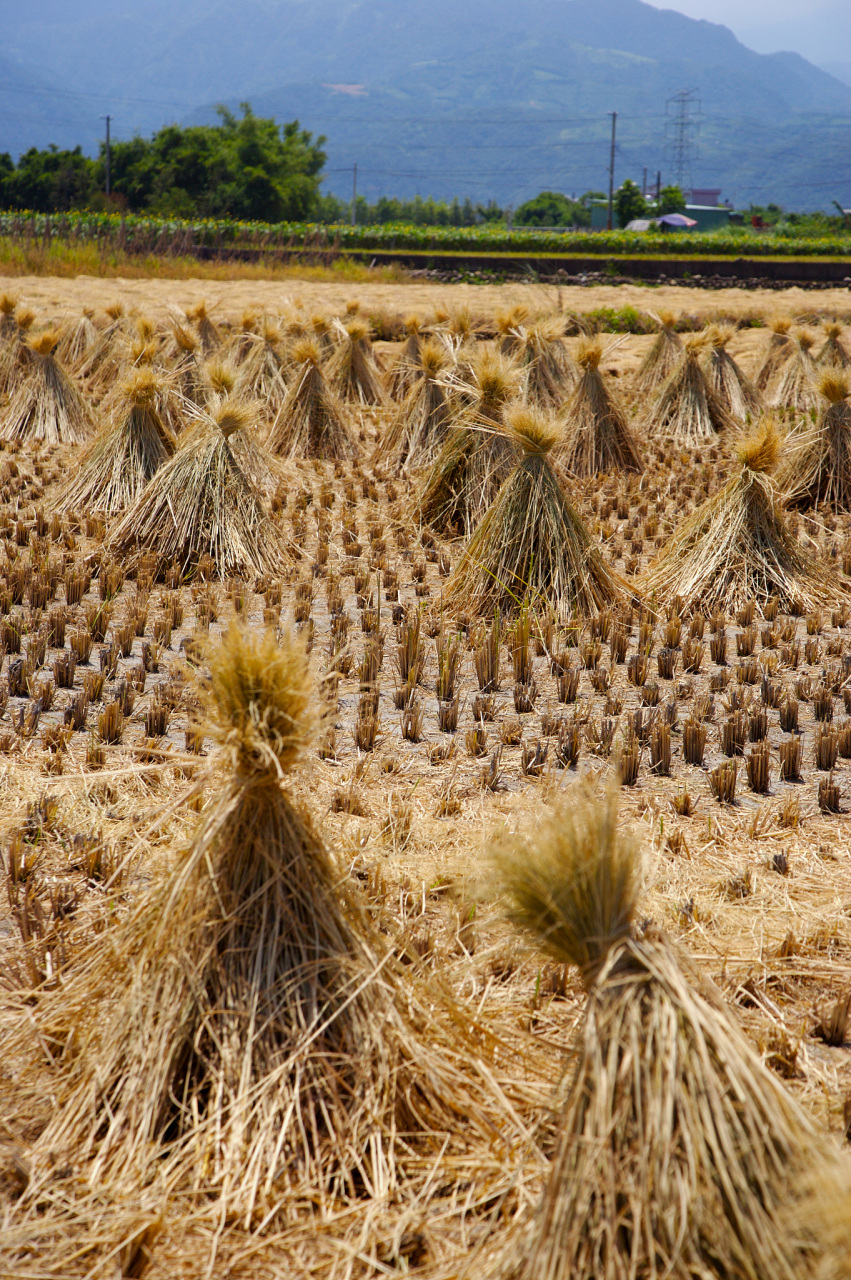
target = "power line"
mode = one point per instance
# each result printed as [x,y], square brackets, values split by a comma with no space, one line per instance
[683,110]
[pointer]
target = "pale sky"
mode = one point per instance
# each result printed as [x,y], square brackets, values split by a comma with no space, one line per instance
[818,29]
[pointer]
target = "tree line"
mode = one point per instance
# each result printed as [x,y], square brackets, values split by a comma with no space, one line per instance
[250,167]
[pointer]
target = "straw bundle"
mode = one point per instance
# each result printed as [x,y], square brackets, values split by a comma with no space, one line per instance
[46,405]
[202,502]
[551,374]
[532,544]
[208,335]
[818,469]
[245,1038]
[99,366]
[15,352]
[508,323]
[777,351]
[678,1153]
[311,421]
[662,358]
[351,371]
[422,421]
[241,342]
[406,370]
[261,373]
[834,353]
[320,327]
[187,369]
[77,340]
[730,383]
[687,408]
[597,435]
[795,388]
[121,460]
[474,459]
[736,547]
[8,325]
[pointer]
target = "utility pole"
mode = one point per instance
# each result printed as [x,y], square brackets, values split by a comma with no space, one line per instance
[644,183]
[354,193]
[108,158]
[658,185]
[614,116]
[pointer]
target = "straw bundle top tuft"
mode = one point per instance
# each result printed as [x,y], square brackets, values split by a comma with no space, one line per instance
[412,324]
[780,324]
[589,353]
[432,357]
[260,701]
[806,340]
[271,331]
[760,451]
[221,376]
[358,330]
[230,417]
[307,351]
[719,335]
[44,344]
[696,343]
[141,387]
[184,338]
[8,303]
[835,385]
[536,433]
[573,882]
[24,318]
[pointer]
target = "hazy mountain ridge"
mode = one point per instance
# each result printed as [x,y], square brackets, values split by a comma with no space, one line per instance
[551,69]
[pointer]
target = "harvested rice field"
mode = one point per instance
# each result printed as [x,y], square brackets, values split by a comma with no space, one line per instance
[425,759]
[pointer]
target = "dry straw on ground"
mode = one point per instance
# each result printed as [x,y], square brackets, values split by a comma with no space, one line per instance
[121,460]
[47,405]
[679,1154]
[202,503]
[687,409]
[532,545]
[817,470]
[737,546]
[311,422]
[597,435]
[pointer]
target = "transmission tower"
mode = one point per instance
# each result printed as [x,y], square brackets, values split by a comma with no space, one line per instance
[683,111]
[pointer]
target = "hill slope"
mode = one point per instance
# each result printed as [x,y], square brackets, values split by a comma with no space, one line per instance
[488,98]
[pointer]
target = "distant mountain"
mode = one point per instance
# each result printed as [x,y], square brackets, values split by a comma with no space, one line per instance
[485,98]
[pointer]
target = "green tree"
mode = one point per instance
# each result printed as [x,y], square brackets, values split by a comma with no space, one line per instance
[50,181]
[629,203]
[552,209]
[671,200]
